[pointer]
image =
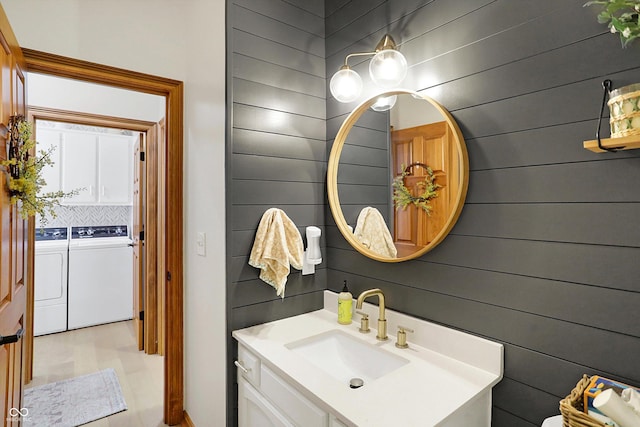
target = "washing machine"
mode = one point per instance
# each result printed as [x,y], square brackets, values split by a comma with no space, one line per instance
[100,275]
[50,282]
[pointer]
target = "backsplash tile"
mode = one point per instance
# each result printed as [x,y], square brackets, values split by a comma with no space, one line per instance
[68,216]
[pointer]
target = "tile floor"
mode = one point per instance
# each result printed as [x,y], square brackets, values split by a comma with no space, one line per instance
[82,351]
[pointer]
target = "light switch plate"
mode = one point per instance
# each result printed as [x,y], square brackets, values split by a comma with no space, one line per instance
[201,244]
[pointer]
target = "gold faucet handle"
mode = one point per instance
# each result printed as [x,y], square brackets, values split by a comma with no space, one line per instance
[402,336]
[364,322]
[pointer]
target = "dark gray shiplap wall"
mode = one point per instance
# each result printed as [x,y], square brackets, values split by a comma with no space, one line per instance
[276,151]
[364,175]
[546,255]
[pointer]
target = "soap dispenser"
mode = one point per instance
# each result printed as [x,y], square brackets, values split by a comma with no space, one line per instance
[345,304]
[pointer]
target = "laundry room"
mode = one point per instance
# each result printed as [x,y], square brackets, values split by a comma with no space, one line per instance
[95,137]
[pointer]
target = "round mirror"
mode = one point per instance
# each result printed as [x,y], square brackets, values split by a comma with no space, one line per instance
[398,175]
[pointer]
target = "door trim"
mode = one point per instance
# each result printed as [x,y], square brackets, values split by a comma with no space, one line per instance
[53,114]
[173,91]
[149,129]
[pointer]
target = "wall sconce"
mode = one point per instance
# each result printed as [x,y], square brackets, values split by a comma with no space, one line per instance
[384,103]
[387,69]
[312,255]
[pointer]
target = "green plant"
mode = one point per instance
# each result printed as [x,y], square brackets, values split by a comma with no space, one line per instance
[25,173]
[621,16]
[402,196]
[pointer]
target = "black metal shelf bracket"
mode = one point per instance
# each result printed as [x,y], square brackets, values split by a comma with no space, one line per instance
[606,85]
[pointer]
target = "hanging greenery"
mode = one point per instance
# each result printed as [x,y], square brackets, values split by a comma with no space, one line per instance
[24,172]
[428,189]
[621,16]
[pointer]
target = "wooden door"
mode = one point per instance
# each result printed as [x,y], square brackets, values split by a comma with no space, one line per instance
[429,145]
[160,234]
[151,242]
[138,249]
[14,250]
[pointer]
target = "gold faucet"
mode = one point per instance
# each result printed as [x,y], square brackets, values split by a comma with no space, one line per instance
[382,321]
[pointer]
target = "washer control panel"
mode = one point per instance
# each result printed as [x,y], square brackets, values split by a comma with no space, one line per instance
[51,233]
[99,231]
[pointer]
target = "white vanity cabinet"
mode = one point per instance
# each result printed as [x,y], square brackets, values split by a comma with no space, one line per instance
[303,366]
[100,165]
[255,410]
[266,399]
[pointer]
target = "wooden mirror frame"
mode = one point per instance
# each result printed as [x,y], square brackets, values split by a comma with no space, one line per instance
[332,176]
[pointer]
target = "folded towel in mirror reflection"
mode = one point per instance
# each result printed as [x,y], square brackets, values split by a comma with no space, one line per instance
[372,232]
[277,246]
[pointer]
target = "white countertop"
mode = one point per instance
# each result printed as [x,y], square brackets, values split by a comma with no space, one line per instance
[447,369]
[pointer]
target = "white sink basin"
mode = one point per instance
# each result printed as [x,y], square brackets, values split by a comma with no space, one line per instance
[344,357]
[444,378]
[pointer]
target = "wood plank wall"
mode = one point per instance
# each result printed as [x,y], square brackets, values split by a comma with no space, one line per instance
[276,155]
[546,255]
[364,174]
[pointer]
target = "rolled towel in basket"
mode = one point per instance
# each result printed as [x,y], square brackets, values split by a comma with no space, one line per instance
[612,405]
[632,398]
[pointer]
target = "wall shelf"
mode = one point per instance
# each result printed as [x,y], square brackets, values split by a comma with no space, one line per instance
[624,143]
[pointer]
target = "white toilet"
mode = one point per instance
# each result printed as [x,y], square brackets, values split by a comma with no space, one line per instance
[555,421]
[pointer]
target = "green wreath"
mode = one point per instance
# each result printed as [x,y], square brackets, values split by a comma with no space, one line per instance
[402,196]
[24,170]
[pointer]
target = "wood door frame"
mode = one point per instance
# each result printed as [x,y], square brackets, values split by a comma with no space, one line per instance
[149,129]
[173,91]
[137,223]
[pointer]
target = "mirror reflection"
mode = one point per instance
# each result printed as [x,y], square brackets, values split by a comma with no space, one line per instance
[397,176]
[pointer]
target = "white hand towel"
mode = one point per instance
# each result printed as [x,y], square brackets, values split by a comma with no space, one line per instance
[277,246]
[372,232]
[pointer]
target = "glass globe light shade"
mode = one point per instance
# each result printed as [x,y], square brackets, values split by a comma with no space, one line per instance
[346,85]
[384,103]
[388,68]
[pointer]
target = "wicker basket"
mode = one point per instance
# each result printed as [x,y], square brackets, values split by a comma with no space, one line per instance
[571,407]
[624,110]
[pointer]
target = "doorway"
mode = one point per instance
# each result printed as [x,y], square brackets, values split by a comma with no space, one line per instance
[131,204]
[172,166]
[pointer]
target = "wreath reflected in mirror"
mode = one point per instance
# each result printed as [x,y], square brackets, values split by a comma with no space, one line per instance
[428,189]
[24,170]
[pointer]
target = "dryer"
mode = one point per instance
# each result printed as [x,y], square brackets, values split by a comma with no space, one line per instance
[100,275]
[50,282]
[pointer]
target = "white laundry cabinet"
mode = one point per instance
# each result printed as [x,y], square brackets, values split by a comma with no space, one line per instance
[101,165]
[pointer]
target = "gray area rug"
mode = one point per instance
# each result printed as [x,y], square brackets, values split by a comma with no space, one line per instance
[75,401]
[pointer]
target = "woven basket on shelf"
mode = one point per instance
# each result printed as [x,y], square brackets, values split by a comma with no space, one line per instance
[624,108]
[571,407]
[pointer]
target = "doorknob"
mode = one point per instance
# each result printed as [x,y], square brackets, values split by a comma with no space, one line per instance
[10,339]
